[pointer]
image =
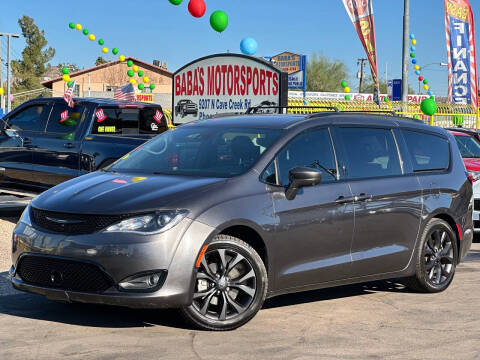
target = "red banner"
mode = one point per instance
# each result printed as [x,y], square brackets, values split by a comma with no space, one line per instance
[361,14]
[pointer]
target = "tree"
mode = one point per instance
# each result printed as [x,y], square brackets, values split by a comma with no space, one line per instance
[29,71]
[324,74]
[100,60]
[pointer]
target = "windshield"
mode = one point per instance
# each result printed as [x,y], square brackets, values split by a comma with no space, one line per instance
[200,151]
[468,146]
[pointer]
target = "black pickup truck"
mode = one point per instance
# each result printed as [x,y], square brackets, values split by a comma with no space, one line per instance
[43,142]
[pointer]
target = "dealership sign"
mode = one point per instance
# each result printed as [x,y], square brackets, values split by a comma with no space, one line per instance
[226,83]
[296,67]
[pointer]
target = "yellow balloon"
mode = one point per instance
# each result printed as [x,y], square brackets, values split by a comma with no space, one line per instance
[105,50]
[425,87]
[121,58]
[346,89]
[133,81]
[2,91]
[135,68]
[417,67]
[91,37]
[414,41]
[78,27]
[66,78]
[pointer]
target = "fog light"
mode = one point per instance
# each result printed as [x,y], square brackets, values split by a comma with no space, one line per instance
[143,282]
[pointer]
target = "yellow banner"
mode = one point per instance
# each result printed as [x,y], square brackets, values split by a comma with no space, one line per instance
[146,98]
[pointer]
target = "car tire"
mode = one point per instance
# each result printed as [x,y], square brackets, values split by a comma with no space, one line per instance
[233,274]
[436,258]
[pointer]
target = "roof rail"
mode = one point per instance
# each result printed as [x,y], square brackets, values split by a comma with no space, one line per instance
[254,109]
[379,111]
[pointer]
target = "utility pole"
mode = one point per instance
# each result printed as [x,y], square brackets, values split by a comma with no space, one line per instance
[406,41]
[9,65]
[361,62]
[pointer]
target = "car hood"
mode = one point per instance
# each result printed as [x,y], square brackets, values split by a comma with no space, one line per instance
[112,193]
[472,164]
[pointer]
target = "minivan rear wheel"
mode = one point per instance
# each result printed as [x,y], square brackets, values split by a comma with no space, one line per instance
[230,286]
[436,258]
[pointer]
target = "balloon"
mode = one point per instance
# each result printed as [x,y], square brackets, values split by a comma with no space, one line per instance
[414,42]
[105,50]
[101,42]
[78,27]
[420,78]
[219,21]
[425,81]
[426,87]
[416,116]
[91,37]
[197,8]
[249,46]
[412,36]
[417,72]
[414,61]
[385,99]
[85,32]
[344,84]
[135,68]
[347,97]
[3,91]
[140,73]
[416,67]
[412,48]
[412,55]
[121,58]
[141,86]
[130,73]
[146,79]
[152,86]
[132,81]
[114,51]
[11,97]
[71,25]
[346,89]
[129,63]
[69,83]
[66,77]
[175,2]
[65,70]
[428,107]
[430,92]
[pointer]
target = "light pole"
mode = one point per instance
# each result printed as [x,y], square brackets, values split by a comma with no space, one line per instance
[9,65]
[406,41]
[422,68]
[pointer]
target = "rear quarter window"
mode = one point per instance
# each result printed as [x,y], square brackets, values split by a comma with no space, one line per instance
[428,152]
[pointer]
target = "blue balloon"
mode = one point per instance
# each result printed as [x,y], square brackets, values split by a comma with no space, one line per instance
[412,48]
[414,61]
[412,36]
[417,72]
[249,46]
[430,92]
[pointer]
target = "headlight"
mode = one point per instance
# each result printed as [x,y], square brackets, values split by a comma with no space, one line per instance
[149,223]
[25,217]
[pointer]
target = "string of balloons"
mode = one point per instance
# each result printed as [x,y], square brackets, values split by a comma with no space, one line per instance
[115,51]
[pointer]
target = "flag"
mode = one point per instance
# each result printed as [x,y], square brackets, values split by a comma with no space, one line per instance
[100,115]
[462,62]
[126,92]
[158,116]
[361,14]
[68,96]
[64,116]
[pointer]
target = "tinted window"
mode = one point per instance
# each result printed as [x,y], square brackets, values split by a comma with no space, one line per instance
[468,146]
[200,151]
[57,124]
[33,118]
[149,120]
[270,174]
[429,152]
[311,149]
[369,152]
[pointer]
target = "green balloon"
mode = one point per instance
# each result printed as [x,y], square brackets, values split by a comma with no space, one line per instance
[71,25]
[175,2]
[69,122]
[101,42]
[385,99]
[141,86]
[152,86]
[130,73]
[416,116]
[428,106]
[130,63]
[65,70]
[425,81]
[347,97]
[344,84]
[412,55]
[69,83]
[114,51]
[219,21]
[140,73]
[85,31]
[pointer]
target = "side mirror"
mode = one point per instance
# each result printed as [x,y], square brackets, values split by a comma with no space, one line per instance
[302,177]
[11,133]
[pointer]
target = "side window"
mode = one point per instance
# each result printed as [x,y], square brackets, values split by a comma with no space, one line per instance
[369,152]
[65,122]
[312,149]
[429,152]
[32,118]
[110,125]
[270,174]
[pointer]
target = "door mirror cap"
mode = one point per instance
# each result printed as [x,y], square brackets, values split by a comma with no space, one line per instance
[302,177]
[11,133]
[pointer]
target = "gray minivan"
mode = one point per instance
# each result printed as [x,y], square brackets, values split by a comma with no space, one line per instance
[217,215]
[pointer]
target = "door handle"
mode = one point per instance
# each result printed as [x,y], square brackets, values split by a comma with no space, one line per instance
[363,197]
[68,145]
[344,200]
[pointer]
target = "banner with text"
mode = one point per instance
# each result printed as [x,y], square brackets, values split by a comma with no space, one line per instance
[462,62]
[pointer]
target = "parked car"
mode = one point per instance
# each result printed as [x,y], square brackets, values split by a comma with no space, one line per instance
[469,148]
[186,107]
[39,148]
[473,132]
[217,215]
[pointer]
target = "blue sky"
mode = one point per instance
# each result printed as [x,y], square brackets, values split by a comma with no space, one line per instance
[155,29]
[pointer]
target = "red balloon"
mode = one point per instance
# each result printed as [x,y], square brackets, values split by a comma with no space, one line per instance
[420,78]
[197,8]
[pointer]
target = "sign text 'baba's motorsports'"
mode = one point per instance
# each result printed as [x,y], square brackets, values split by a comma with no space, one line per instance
[226,83]
[296,67]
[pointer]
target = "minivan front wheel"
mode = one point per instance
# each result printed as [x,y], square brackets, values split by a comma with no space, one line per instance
[230,286]
[437,256]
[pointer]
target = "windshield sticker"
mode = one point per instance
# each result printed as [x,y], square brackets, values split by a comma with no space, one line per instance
[64,116]
[120,181]
[154,127]
[100,115]
[138,179]
[158,116]
[107,129]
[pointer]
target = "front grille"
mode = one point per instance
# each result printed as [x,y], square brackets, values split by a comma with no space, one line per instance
[63,274]
[476,204]
[66,223]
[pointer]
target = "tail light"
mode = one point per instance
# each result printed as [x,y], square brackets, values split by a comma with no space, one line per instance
[473,176]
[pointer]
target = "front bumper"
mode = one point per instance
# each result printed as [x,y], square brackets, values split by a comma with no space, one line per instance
[120,255]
